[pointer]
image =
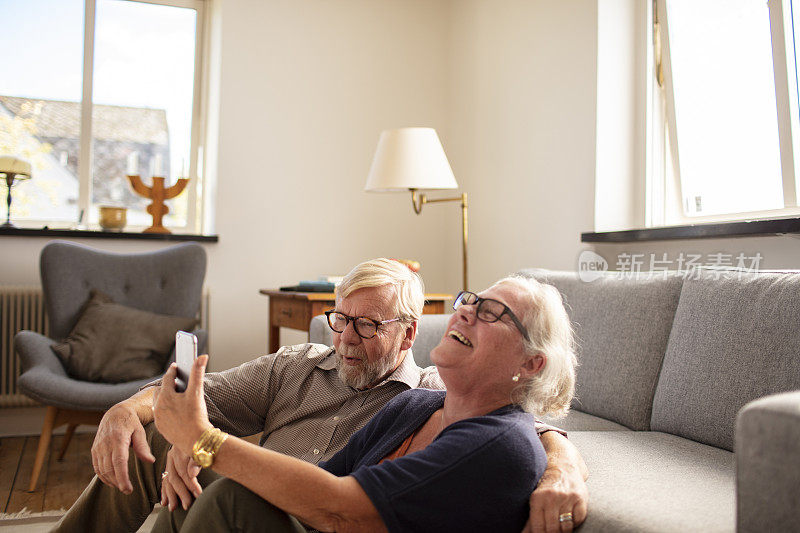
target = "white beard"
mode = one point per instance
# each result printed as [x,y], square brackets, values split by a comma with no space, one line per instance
[363,375]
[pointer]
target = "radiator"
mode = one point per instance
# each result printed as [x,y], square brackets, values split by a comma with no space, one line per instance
[22,307]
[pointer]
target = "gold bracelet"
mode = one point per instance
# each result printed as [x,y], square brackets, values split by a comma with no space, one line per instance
[221,437]
[215,440]
[206,447]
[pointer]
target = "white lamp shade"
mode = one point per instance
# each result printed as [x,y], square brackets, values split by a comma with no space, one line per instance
[410,158]
[14,165]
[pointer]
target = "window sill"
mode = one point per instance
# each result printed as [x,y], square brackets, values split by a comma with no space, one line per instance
[777,226]
[95,234]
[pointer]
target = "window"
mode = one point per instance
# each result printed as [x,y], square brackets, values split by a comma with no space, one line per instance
[106,88]
[725,111]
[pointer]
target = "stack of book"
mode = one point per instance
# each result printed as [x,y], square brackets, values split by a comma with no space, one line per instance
[323,284]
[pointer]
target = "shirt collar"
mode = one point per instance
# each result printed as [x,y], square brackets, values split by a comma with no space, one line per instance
[408,372]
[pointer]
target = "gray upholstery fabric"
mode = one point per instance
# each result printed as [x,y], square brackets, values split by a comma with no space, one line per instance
[167,281]
[648,481]
[767,459]
[733,340]
[622,327]
[46,381]
[578,421]
[429,332]
[319,331]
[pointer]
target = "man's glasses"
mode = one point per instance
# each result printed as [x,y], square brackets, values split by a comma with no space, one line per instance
[489,310]
[365,327]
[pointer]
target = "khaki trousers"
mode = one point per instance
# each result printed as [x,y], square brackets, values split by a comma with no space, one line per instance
[102,508]
[226,506]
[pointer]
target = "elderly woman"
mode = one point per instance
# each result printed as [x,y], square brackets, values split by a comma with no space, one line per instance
[466,460]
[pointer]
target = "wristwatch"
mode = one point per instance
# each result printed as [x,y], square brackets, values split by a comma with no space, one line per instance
[206,447]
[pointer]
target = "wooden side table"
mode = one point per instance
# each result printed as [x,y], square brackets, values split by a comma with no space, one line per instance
[296,309]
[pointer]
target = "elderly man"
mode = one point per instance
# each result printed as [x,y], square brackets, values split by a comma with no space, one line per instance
[307,400]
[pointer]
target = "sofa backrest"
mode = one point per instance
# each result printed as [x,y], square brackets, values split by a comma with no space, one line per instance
[735,338]
[622,326]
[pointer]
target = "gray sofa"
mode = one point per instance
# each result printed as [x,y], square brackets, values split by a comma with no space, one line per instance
[688,398]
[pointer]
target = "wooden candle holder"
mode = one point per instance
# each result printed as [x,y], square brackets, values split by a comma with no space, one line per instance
[157,193]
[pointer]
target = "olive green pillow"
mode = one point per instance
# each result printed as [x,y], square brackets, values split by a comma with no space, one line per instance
[112,343]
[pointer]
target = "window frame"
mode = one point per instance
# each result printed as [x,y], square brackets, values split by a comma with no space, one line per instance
[197,183]
[665,198]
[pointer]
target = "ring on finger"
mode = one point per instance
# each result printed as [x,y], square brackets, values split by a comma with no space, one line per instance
[164,475]
[565,517]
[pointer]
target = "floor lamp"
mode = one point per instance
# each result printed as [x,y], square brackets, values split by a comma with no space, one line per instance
[410,159]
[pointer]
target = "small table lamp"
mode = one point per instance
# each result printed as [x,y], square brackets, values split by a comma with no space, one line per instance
[413,159]
[12,169]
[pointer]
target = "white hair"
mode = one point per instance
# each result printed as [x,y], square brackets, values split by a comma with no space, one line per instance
[549,391]
[409,289]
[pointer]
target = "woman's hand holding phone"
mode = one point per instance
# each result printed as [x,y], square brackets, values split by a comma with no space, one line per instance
[179,485]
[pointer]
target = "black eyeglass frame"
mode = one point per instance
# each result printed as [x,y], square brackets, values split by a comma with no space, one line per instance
[353,319]
[479,303]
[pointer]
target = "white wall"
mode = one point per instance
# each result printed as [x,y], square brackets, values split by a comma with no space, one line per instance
[522,130]
[307,87]
[623,42]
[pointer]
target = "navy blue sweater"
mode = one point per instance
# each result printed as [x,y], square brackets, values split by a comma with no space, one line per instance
[477,475]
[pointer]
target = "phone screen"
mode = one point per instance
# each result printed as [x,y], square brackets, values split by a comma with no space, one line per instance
[185,354]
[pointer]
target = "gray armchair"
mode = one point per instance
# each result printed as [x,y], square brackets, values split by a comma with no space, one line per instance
[167,282]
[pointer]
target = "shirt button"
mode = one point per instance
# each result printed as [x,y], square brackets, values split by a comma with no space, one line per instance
[316,451]
[335,418]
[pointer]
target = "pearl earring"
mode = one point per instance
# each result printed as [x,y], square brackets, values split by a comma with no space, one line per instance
[516,377]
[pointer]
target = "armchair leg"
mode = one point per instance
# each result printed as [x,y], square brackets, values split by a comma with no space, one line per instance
[67,438]
[44,444]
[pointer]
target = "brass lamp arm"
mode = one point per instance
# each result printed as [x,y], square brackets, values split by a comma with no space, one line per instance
[417,201]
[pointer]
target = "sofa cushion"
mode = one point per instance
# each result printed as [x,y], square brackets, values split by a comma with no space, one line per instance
[648,481]
[578,421]
[622,325]
[735,338]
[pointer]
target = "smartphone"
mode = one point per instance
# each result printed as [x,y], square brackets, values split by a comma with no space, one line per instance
[185,354]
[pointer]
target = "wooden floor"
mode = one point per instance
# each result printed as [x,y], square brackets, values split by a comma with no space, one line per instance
[60,483]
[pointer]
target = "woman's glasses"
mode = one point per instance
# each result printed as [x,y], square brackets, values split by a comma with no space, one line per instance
[489,310]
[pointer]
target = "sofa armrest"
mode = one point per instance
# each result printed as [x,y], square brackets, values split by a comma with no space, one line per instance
[767,459]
